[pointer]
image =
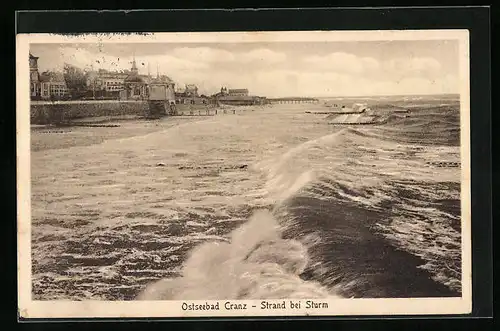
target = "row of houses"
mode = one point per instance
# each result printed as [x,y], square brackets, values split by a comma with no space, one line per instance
[127,85]
[46,84]
[100,84]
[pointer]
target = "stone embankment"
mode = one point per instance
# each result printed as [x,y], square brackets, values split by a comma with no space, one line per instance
[42,112]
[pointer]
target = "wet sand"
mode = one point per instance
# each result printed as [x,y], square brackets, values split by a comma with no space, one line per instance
[45,137]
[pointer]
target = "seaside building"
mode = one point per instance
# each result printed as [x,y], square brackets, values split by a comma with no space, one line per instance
[225,92]
[166,83]
[191,90]
[190,95]
[135,85]
[238,92]
[101,84]
[53,85]
[125,84]
[161,96]
[236,97]
[112,82]
[106,84]
[47,85]
[34,77]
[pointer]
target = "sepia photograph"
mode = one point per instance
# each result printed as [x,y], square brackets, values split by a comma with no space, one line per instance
[243,174]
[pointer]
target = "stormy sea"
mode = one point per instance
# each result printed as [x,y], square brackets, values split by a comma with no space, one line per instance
[269,202]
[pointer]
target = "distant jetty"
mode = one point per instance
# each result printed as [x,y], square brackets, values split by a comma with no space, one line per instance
[290,100]
[356,108]
[240,100]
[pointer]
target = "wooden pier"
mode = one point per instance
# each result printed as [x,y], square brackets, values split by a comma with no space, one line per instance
[291,100]
[208,111]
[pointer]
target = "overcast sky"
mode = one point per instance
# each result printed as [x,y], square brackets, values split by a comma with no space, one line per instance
[279,68]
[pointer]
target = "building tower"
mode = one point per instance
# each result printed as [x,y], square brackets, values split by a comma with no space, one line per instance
[34,76]
[134,69]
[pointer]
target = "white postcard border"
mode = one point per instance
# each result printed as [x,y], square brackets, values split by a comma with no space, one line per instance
[132,309]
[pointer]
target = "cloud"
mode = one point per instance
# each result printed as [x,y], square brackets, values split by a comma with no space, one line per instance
[307,83]
[262,55]
[286,82]
[397,68]
[203,54]
[342,62]
[410,85]
[413,66]
[370,63]
[214,55]
[170,64]
[55,58]
[267,72]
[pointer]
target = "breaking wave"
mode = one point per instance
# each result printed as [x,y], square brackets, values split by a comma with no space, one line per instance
[256,264]
[357,213]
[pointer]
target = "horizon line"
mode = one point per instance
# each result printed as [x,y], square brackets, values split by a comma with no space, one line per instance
[358,96]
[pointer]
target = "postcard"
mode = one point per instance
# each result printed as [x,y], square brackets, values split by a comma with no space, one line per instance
[238,174]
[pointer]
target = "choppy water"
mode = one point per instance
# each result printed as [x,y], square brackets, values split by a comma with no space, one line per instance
[345,211]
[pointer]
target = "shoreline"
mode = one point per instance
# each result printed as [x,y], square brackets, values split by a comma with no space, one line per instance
[88,132]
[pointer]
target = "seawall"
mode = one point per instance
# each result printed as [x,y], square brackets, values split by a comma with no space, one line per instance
[43,112]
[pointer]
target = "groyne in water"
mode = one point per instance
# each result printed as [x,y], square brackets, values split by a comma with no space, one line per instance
[361,119]
[337,112]
[360,115]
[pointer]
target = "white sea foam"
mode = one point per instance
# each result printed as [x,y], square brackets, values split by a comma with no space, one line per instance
[295,157]
[256,264]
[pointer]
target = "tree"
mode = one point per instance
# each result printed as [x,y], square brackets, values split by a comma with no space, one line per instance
[75,79]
